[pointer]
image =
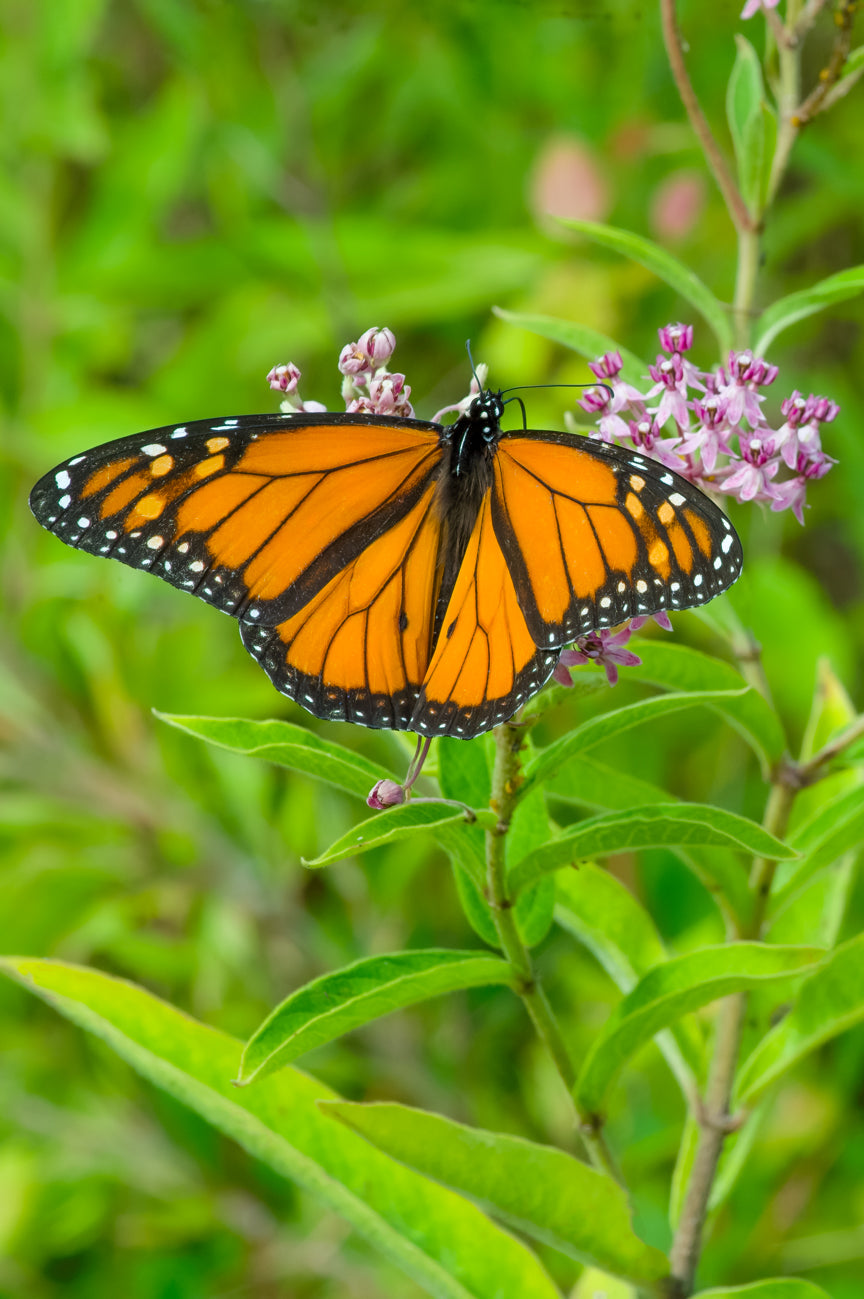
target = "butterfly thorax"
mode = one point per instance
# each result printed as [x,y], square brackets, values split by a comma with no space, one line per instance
[473,436]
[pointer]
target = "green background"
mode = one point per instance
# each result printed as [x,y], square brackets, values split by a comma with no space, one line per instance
[190,193]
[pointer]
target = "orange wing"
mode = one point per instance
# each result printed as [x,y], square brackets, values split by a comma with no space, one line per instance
[485,662]
[594,534]
[315,531]
[359,649]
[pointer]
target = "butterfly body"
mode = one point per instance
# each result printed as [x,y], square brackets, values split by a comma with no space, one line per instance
[395,572]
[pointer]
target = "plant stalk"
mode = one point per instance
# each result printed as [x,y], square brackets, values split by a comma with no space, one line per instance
[506,779]
[714,1118]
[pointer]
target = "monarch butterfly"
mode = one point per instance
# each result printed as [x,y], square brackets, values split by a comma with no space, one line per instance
[396,572]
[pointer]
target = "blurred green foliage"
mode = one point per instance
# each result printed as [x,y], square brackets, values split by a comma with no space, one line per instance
[191,191]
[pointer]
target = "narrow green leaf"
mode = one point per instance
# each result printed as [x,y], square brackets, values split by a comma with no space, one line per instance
[744,113]
[340,1001]
[828,1002]
[602,914]
[782,1288]
[674,272]
[473,902]
[450,1248]
[854,62]
[575,743]
[806,302]
[578,338]
[596,1284]
[287,746]
[648,827]
[835,828]
[397,823]
[669,991]
[677,667]
[588,783]
[532,1187]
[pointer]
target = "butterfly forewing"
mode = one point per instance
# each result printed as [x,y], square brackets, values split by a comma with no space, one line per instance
[595,534]
[254,515]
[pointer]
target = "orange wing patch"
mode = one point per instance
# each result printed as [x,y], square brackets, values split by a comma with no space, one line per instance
[594,534]
[485,662]
[359,649]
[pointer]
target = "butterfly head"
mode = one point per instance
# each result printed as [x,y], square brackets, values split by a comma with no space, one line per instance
[485,413]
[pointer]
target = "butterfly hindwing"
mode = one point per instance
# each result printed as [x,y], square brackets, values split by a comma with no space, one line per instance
[485,662]
[359,649]
[595,534]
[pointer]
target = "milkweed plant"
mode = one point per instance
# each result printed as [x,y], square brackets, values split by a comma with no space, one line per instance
[464,1211]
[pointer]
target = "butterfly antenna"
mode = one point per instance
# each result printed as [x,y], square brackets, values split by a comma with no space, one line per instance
[524,387]
[471,363]
[522,407]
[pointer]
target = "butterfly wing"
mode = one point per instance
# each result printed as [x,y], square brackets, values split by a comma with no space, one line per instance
[315,531]
[485,662]
[359,649]
[594,534]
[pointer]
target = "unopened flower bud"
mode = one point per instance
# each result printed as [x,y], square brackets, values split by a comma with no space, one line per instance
[284,378]
[378,345]
[386,793]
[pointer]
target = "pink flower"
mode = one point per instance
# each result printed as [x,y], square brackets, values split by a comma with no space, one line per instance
[378,345]
[284,378]
[604,646]
[753,6]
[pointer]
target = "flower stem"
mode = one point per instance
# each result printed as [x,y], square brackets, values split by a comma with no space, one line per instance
[714,1117]
[745,284]
[506,779]
[713,155]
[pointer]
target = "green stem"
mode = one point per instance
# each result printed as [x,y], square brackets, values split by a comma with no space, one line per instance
[713,154]
[789,94]
[506,779]
[745,285]
[714,1117]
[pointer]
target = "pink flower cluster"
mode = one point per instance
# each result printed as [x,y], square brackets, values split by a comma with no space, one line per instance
[710,426]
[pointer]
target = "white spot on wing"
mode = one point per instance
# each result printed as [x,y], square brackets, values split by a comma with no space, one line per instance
[153,449]
[62,479]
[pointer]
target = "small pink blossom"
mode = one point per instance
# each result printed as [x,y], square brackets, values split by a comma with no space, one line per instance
[284,378]
[605,647]
[378,345]
[676,338]
[753,6]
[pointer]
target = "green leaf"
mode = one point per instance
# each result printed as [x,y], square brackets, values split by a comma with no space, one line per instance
[532,1187]
[828,1002]
[589,783]
[343,1000]
[674,272]
[578,338]
[648,827]
[576,742]
[782,1288]
[854,62]
[397,823]
[806,302]
[530,830]
[594,1284]
[287,746]
[669,991]
[603,915]
[450,1248]
[744,98]
[835,828]
[677,667]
